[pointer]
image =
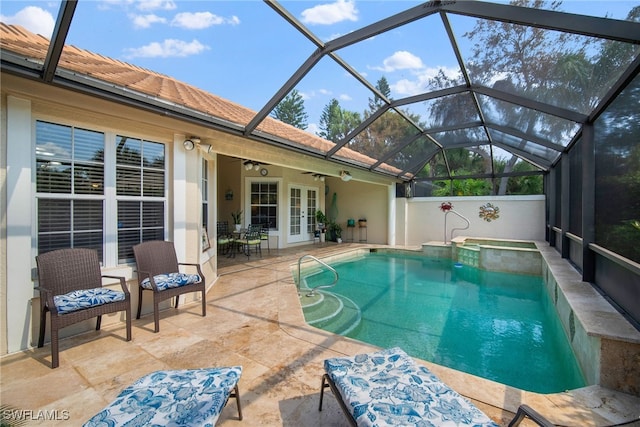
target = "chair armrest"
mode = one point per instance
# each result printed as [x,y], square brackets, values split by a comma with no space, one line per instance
[123,283]
[525,411]
[196,265]
[46,299]
[144,275]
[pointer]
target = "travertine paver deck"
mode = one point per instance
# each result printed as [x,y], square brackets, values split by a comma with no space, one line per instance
[254,320]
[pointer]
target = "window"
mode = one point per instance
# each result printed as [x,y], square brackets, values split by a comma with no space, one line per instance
[69,187]
[74,203]
[264,204]
[140,189]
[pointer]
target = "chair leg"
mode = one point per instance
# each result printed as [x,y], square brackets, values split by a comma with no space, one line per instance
[322,387]
[128,320]
[98,322]
[55,359]
[43,323]
[139,302]
[236,394]
[156,314]
[204,303]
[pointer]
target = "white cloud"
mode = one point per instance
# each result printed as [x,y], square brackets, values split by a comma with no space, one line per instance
[34,19]
[313,128]
[201,20]
[420,83]
[315,93]
[146,5]
[400,60]
[145,21]
[345,97]
[331,13]
[170,48]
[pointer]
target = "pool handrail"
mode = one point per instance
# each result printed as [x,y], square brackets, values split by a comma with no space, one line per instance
[455,228]
[335,274]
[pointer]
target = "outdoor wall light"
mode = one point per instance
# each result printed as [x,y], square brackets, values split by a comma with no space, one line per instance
[318,177]
[190,144]
[345,176]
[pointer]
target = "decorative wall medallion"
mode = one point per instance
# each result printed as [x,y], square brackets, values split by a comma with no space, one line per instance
[488,212]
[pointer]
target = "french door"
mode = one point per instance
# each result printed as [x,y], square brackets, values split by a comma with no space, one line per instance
[303,202]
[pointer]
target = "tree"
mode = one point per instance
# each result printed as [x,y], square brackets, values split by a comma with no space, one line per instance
[383,87]
[336,123]
[388,130]
[291,110]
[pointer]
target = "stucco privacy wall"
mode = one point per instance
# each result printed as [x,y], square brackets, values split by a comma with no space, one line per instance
[521,218]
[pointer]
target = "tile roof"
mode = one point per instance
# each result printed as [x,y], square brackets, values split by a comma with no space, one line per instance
[18,40]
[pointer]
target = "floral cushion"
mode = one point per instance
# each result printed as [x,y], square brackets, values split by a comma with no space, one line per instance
[171,280]
[388,388]
[85,298]
[190,397]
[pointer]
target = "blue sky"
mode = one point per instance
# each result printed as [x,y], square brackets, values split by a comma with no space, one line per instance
[243,51]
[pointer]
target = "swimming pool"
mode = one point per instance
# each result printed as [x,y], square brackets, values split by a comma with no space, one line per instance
[495,325]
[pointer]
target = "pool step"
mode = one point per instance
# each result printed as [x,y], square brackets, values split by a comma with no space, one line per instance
[331,312]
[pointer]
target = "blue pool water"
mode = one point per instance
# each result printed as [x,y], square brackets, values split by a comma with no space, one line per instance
[495,325]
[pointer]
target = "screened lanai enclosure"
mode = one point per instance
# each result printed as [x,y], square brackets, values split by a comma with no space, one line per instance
[474,98]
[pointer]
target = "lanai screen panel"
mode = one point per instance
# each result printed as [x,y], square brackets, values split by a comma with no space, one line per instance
[550,128]
[561,69]
[414,155]
[536,151]
[461,137]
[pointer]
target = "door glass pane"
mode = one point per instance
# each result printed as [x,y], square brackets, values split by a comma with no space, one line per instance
[312,206]
[295,201]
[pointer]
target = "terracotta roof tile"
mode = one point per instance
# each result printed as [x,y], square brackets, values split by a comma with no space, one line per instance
[20,41]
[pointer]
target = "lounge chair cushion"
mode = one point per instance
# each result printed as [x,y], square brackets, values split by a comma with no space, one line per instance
[387,388]
[189,397]
[171,280]
[86,298]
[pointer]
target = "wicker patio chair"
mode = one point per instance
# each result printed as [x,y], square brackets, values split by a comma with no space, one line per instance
[158,272]
[71,290]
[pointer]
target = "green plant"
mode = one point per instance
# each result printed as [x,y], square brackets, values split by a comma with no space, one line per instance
[321,218]
[337,230]
[237,217]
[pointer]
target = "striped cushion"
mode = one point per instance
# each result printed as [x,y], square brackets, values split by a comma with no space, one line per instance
[86,298]
[171,280]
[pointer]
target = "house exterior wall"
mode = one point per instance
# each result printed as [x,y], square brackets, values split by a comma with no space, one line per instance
[24,101]
[420,219]
[23,104]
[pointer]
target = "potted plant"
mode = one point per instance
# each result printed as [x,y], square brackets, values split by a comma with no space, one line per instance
[321,221]
[362,222]
[337,231]
[237,219]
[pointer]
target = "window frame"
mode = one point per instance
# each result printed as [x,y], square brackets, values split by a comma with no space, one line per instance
[109,196]
[249,181]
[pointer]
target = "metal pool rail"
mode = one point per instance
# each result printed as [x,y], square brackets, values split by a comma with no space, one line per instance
[335,274]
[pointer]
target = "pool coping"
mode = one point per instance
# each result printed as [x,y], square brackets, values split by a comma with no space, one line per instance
[592,405]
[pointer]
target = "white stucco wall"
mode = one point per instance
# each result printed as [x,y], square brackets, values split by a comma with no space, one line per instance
[521,218]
